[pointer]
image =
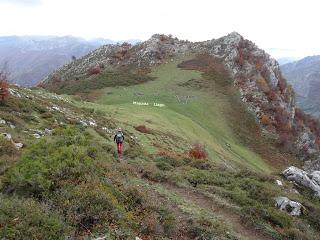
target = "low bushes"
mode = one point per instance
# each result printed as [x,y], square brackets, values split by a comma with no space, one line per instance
[27,219]
[98,80]
[198,151]
[143,129]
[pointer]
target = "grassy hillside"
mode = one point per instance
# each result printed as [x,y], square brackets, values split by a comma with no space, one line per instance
[199,108]
[71,183]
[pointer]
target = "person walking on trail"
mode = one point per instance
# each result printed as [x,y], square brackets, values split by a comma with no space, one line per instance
[119,139]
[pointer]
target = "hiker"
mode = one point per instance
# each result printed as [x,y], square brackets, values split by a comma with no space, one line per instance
[119,138]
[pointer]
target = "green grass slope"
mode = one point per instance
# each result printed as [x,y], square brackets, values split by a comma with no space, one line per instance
[210,114]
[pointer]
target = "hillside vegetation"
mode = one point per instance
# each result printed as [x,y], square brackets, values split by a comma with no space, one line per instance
[196,164]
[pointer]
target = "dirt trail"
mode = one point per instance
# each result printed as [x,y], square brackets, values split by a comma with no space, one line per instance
[243,231]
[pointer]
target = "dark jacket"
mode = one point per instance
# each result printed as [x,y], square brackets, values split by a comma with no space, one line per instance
[119,137]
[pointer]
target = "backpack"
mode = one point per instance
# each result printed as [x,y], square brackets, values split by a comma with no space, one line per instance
[119,137]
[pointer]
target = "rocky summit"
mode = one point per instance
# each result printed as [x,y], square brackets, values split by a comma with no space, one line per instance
[214,147]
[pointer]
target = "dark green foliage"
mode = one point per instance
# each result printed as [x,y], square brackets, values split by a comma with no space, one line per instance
[6,147]
[150,172]
[252,191]
[88,204]
[27,219]
[203,229]
[168,161]
[123,77]
[133,150]
[72,173]
[255,213]
[44,166]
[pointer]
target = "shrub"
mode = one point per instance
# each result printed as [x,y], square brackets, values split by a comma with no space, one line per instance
[263,85]
[27,219]
[4,86]
[282,84]
[171,158]
[93,71]
[198,151]
[265,120]
[88,204]
[240,57]
[152,173]
[46,165]
[56,79]
[254,213]
[6,147]
[271,95]
[143,129]
[121,55]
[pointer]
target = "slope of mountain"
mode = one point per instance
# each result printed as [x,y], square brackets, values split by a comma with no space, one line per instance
[32,58]
[304,75]
[169,96]
[255,74]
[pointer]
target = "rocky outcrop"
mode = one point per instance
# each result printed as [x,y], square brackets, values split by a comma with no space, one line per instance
[302,178]
[158,49]
[292,207]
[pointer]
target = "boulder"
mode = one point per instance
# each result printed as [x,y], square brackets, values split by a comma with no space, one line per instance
[7,136]
[36,135]
[279,183]
[292,207]
[48,131]
[302,178]
[18,145]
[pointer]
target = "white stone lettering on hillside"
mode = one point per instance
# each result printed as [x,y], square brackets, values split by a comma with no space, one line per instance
[147,104]
[141,103]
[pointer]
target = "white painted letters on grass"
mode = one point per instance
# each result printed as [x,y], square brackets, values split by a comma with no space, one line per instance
[147,104]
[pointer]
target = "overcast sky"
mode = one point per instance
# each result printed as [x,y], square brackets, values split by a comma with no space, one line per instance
[290,27]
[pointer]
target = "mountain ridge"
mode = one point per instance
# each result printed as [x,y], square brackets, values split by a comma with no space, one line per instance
[257,76]
[31,58]
[304,75]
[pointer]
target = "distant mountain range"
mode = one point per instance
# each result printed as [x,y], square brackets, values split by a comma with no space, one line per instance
[32,58]
[304,75]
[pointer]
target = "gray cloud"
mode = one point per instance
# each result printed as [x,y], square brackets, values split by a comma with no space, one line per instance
[22,2]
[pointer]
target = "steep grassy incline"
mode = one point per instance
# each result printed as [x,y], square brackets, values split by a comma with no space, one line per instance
[199,108]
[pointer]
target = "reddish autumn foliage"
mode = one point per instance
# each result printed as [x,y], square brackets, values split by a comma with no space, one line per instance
[198,151]
[143,129]
[121,55]
[93,71]
[4,87]
[282,119]
[240,57]
[272,95]
[265,120]
[259,64]
[282,84]
[263,85]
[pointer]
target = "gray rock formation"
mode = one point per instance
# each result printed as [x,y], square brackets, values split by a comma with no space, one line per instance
[302,178]
[292,207]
